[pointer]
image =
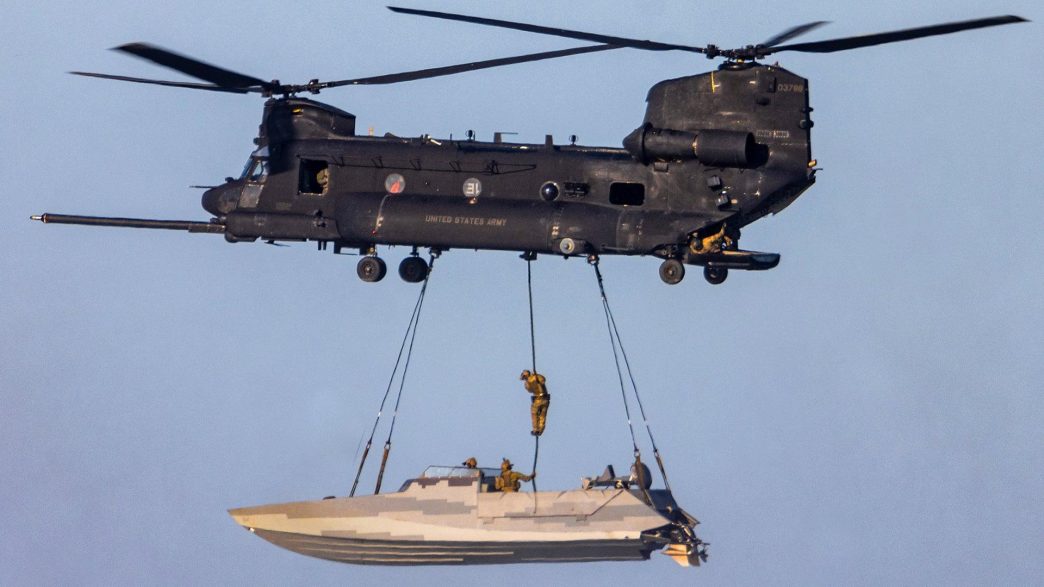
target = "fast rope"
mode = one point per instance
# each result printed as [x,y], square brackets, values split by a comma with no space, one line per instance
[410,336]
[615,341]
[532,323]
[529,256]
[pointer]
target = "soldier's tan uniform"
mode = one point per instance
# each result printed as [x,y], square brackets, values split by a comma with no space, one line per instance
[323,179]
[536,384]
[509,481]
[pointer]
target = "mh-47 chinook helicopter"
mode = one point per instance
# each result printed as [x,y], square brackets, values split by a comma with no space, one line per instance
[715,152]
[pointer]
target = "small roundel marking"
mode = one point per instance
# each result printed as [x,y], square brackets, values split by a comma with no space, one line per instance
[395,183]
[472,187]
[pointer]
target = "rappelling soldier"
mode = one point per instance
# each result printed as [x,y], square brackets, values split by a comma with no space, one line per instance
[509,481]
[536,384]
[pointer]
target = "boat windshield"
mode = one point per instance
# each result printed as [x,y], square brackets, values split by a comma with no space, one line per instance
[441,471]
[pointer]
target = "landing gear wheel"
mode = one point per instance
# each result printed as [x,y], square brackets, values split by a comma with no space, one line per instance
[715,275]
[413,269]
[371,269]
[672,271]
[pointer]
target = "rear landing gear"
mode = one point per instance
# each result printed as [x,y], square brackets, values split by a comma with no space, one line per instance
[672,271]
[714,275]
[371,269]
[413,269]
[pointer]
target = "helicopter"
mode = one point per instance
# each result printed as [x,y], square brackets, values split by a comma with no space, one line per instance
[715,152]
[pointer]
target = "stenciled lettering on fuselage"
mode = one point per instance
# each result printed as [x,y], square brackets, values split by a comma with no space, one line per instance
[771,134]
[465,220]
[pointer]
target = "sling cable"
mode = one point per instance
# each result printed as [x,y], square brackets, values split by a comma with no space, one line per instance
[618,352]
[409,337]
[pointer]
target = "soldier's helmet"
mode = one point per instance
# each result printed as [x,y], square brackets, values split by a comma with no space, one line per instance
[471,463]
[506,465]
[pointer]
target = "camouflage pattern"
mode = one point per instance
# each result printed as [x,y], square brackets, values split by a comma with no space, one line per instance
[536,384]
[453,515]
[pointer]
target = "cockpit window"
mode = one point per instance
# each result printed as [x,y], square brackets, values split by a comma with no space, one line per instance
[256,170]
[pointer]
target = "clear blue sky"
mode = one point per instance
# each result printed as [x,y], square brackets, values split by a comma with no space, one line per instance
[868,412]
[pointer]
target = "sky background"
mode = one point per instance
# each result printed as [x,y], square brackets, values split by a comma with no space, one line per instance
[868,412]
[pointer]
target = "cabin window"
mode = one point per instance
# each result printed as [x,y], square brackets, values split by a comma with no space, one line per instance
[314,177]
[627,194]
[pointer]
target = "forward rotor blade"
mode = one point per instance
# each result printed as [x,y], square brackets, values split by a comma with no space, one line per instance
[793,32]
[192,85]
[569,34]
[452,69]
[189,66]
[846,43]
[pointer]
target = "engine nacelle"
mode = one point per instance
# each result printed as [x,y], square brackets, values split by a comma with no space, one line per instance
[716,148]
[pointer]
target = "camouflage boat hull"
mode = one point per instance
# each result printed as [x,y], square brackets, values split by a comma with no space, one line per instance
[457,520]
[410,552]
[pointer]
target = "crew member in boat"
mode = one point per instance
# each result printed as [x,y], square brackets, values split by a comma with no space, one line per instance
[536,384]
[510,481]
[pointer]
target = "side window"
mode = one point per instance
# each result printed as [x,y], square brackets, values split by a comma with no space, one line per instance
[627,194]
[314,177]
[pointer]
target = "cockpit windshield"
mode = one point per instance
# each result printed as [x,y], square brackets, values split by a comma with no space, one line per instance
[256,168]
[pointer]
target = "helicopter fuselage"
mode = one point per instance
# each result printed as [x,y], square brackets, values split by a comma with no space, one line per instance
[715,152]
[694,170]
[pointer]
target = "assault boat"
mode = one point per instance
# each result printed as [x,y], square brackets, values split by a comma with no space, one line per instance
[455,516]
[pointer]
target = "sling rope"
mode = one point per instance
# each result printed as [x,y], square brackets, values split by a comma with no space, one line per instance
[616,341]
[638,399]
[532,345]
[411,334]
[532,322]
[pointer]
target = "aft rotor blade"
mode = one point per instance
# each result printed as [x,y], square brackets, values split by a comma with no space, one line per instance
[794,32]
[532,28]
[452,69]
[846,43]
[193,67]
[192,85]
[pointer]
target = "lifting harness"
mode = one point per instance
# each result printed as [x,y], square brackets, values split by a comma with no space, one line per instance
[618,352]
[410,336]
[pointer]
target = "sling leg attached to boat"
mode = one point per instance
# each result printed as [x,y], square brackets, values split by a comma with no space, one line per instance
[409,336]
